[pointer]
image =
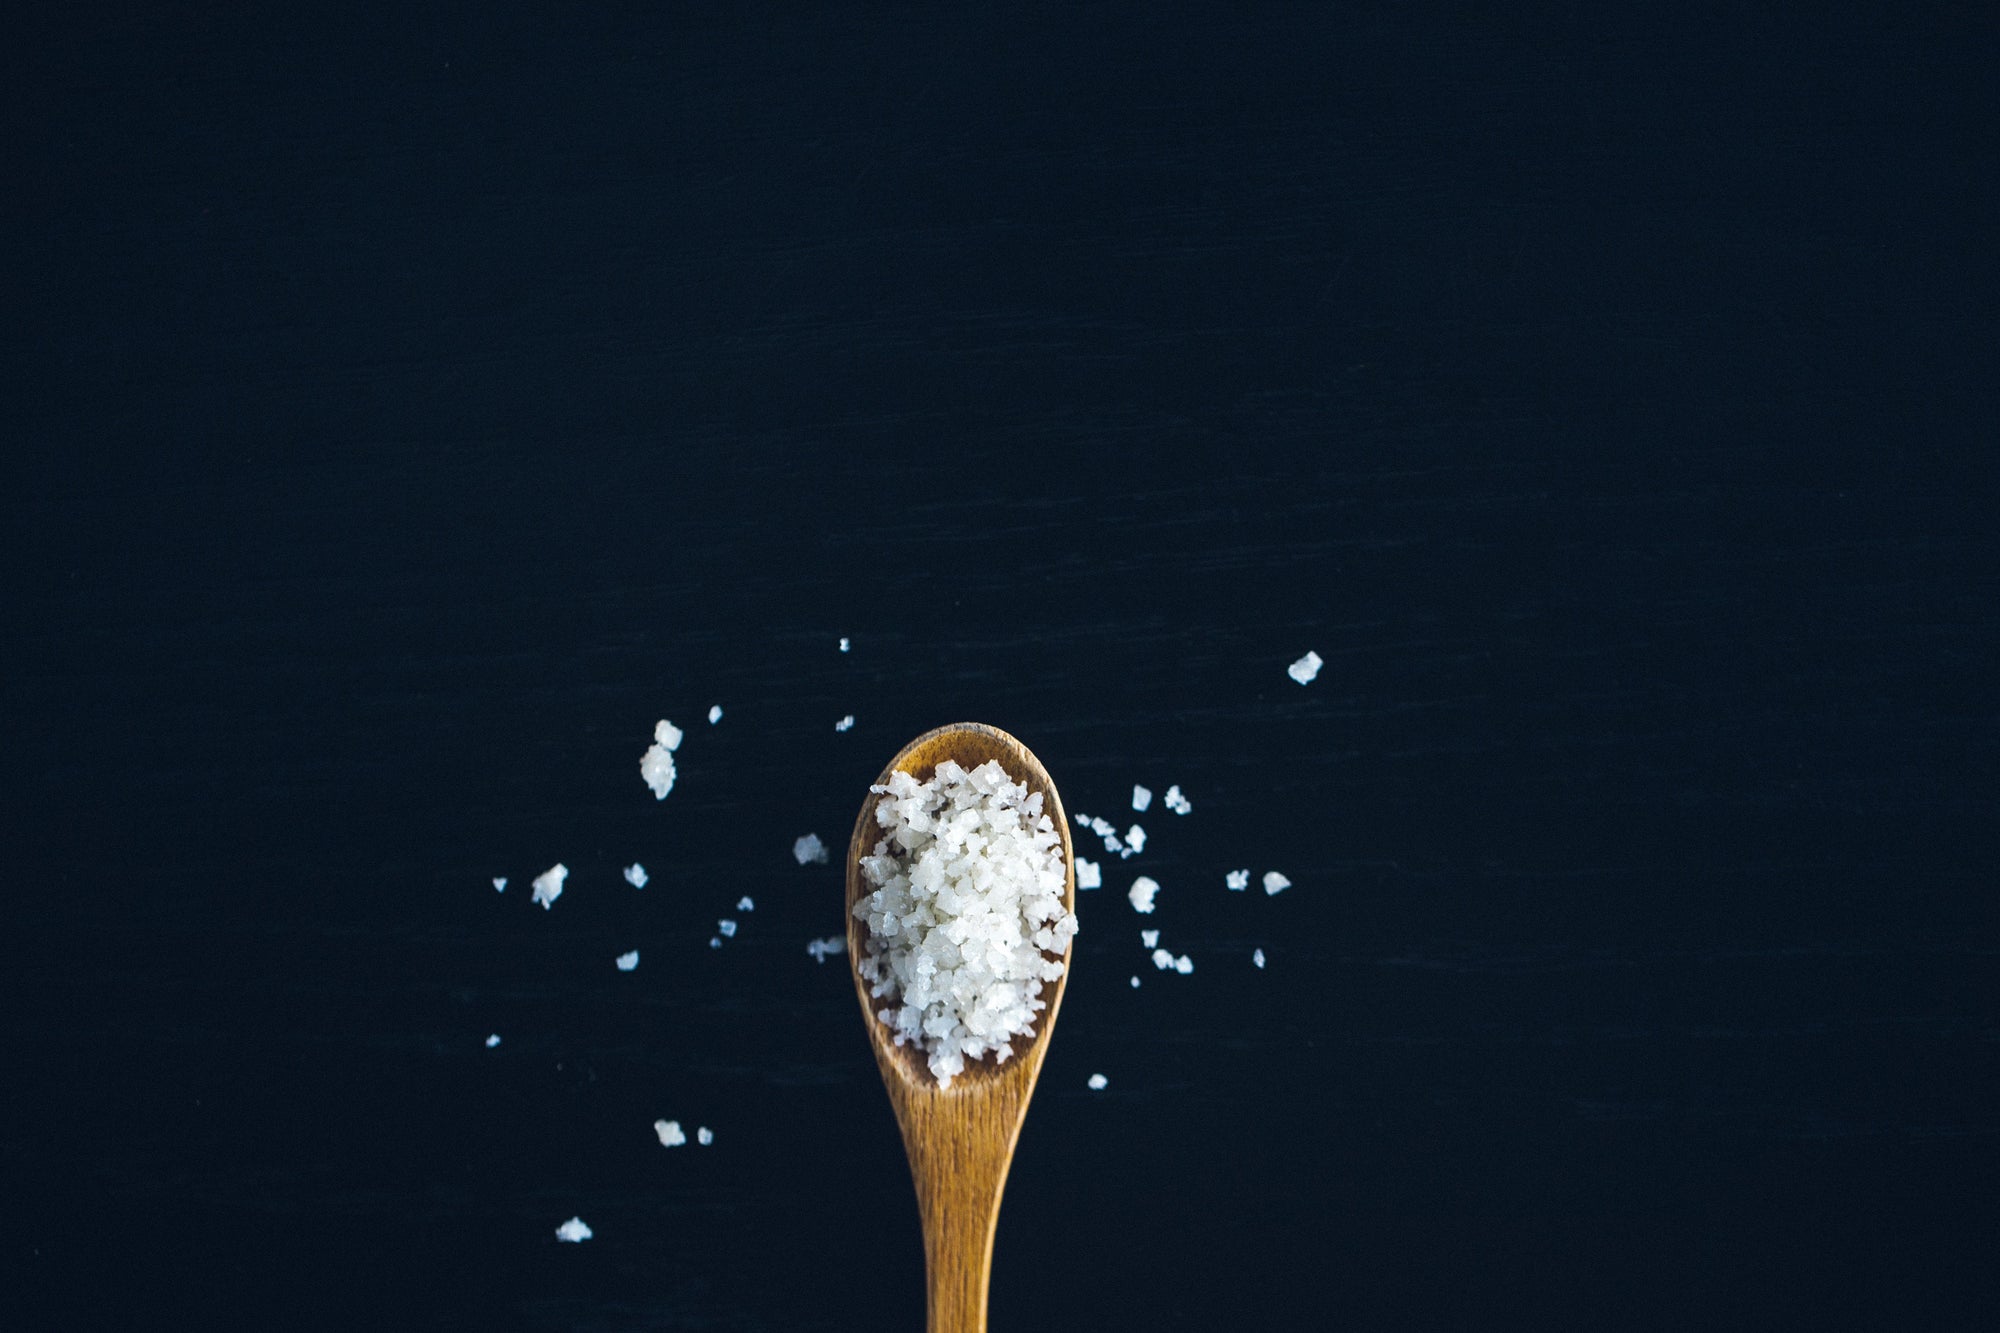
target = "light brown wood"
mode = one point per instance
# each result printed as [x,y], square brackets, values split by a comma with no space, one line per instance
[960,1139]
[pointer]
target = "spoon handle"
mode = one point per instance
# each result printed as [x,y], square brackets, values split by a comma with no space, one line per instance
[959,1163]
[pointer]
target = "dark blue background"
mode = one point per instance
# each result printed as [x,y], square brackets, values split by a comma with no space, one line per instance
[407,410]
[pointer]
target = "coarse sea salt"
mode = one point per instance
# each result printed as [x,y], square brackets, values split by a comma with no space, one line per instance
[1088,876]
[635,875]
[656,766]
[1162,959]
[704,1136]
[670,1133]
[714,714]
[1238,880]
[1275,882]
[492,1041]
[500,883]
[628,961]
[727,927]
[821,950]
[1135,841]
[843,645]
[965,910]
[1141,797]
[1257,957]
[1184,965]
[746,904]
[1150,938]
[573,1231]
[549,885]
[845,724]
[1135,983]
[1098,1083]
[1141,893]
[809,850]
[1176,802]
[1305,668]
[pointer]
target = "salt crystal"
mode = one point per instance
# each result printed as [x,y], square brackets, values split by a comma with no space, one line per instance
[843,645]
[670,1133]
[549,885]
[845,724]
[1258,957]
[628,961]
[492,1041]
[1088,876]
[1184,965]
[573,1230]
[704,1136]
[714,942]
[1098,1082]
[656,766]
[809,850]
[1081,818]
[821,950]
[1176,802]
[727,927]
[635,875]
[1238,880]
[745,904]
[1150,938]
[1141,894]
[1305,668]
[714,714]
[1162,959]
[1135,983]
[1275,883]
[1141,797]
[500,883]
[1135,838]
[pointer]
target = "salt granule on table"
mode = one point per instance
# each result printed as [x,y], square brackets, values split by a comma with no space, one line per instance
[1087,874]
[845,724]
[1275,882]
[1258,957]
[1141,797]
[809,850]
[843,645]
[635,875]
[832,945]
[1176,802]
[500,883]
[492,1041]
[1098,1082]
[1135,841]
[704,1136]
[1305,668]
[1150,938]
[1184,965]
[714,942]
[549,885]
[628,961]
[1162,959]
[656,766]
[745,904]
[714,714]
[670,1133]
[1135,983]
[1141,894]
[727,927]
[573,1230]
[1238,880]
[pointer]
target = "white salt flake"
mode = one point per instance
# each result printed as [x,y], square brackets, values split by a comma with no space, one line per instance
[549,885]
[727,927]
[635,875]
[845,724]
[714,714]
[1141,894]
[1176,802]
[1162,959]
[704,1136]
[714,942]
[656,766]
[1141,797]
[1135,983]
[1081,818]
[831,946]
[809,850]
[1275,882]
[1184,965]
[1135,838]
[573,1230]
[492,1041]
[1098,1083]
[1088,876]
[670,1133]
[628,961]
[1238,880]
[1257,957]
[965,921]
[746,904]
[1150,938]
[500,883]
[1305,668]
[843,645]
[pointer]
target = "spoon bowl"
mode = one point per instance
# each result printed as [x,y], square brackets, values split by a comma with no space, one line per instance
[960,1139]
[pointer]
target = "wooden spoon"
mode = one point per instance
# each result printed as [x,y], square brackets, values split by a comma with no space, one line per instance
[960,1139]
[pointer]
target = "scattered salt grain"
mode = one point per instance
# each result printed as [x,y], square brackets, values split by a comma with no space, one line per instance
[1275,883]
[628,961]
[656,766]
[831,946]
[714,942]
[573,1230]
[1238,880]
[1176,802]
[635,875]
[1162,959]
[1258,957]
[1135,983]
[1305,668]
[843,645]
[714,714]
[727,927]
[845,724]
[1088,876]
[704,1136]
[492,1041]
[500,883]
[1141,894]
[1135,841]
[670,1133]
[1141,797]
[746,904]
[809,850]
[1098,1083]
[1150,938]
[965,911]
[1184,965]
[549,885]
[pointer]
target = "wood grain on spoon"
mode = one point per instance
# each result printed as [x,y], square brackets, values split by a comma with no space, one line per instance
[960,1139]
